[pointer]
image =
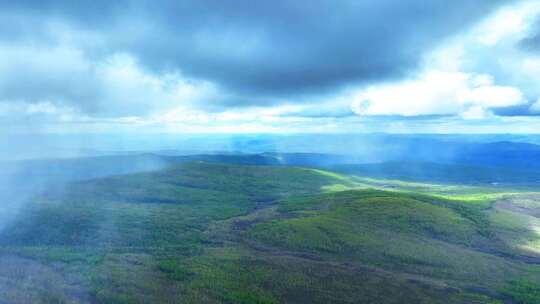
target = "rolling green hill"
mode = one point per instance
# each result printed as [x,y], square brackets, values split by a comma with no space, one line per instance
[200,232]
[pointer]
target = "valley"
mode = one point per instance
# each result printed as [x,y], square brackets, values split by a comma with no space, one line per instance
[210,232]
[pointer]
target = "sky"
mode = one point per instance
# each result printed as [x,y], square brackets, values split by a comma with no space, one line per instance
[239,66]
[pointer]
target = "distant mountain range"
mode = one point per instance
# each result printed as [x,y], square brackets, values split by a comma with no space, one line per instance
[416,159]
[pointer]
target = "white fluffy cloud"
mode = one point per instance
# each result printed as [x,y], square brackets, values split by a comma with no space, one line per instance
[65,77]
[128,89]
[469,76]
[437,93]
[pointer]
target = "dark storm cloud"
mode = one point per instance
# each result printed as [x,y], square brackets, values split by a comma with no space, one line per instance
[520,110]
[532,42]
[283,47]
[270,48]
